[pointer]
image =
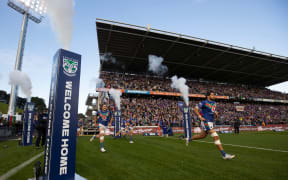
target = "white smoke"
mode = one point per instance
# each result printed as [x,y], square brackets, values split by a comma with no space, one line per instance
[116,97]
[99,82]
[21,79]
[61,13]
[107,57]
[180,85]
[155,65]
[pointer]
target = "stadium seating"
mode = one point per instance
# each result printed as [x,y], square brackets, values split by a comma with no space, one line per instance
[149,110]
[154,83]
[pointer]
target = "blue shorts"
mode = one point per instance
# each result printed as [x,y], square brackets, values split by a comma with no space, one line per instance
[165,130]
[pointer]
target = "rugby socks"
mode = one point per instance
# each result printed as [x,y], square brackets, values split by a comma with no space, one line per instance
[102,144]
[223,153]
[130,138]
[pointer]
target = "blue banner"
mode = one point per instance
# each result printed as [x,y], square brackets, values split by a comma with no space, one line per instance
[137,92]
[60,150]
[117,120]
[187,122]
[28,124]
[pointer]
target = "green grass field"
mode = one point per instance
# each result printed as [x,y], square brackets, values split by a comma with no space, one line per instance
[12,155]
[169,158]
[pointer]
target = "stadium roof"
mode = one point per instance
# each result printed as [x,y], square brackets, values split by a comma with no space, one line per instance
[186,56]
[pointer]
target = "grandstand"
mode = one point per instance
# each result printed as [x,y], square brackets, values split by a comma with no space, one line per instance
[239,76]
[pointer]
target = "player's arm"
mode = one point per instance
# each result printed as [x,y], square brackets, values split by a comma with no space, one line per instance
[216,114]
[97,118]
[196,110]
[111,119]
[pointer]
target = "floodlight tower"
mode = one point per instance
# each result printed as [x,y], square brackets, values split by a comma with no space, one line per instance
[31,9]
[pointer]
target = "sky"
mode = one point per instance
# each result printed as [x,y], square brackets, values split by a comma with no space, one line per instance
[261,24]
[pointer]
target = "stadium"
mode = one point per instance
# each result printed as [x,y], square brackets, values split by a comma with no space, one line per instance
[150,130]
[237,75]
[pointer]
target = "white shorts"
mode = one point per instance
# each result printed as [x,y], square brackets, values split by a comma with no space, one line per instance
[207,125]
[106,130]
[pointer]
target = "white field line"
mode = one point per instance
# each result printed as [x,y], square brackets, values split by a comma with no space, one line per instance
[249,147]
[19,167]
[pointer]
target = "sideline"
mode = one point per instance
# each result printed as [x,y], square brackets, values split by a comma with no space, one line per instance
[19,167]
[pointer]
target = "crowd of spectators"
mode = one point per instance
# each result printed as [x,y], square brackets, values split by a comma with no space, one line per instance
[150,110]
[156,83]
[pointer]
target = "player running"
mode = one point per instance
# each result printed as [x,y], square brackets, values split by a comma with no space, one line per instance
[208,110]
[165,127]
[131,124]
[124,129]
[104,117]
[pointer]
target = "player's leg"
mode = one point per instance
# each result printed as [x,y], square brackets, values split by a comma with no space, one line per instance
[119,132]
[166,135]
[94,137]
[38,137]
[43,140]
[218,144]
[102,133]
[125,132]
[203,133]
[130,134]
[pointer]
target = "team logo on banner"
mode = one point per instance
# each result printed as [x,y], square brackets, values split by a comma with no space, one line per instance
[185,110]
[30,107]
[70,66]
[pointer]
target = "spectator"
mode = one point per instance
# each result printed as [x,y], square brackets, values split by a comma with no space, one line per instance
[41,127]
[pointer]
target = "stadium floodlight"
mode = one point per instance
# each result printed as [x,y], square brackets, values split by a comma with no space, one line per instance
[31,9]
